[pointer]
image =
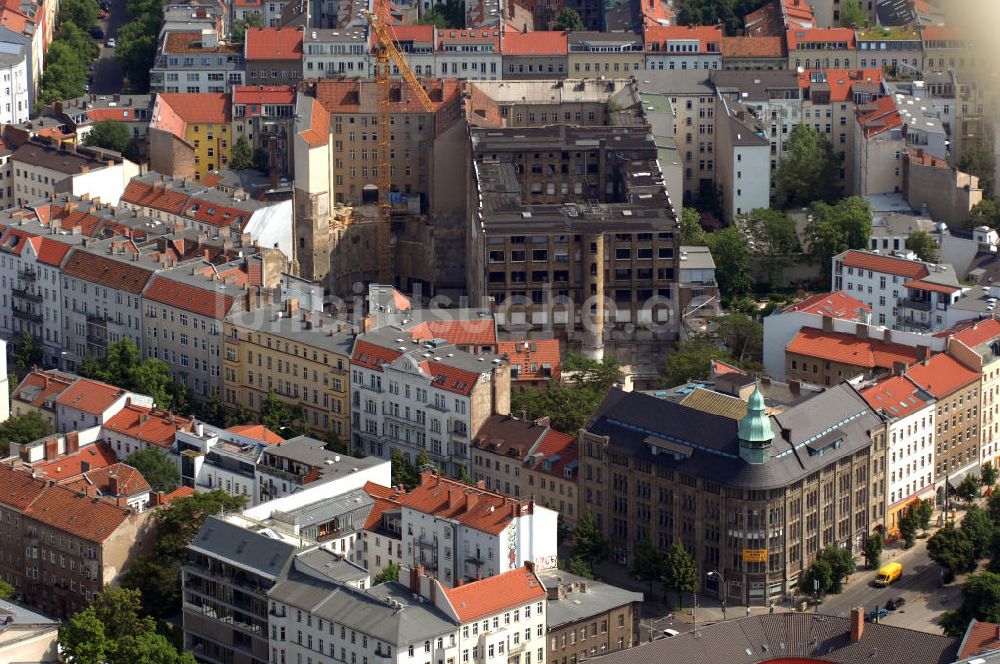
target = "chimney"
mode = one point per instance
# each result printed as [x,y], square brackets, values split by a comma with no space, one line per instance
[415,575]
[72,442]
[113,485]
[51,448]
[470,501]
[857,623]
[291,306]
[923,352]
[794,387]
[861,331]
[827,323]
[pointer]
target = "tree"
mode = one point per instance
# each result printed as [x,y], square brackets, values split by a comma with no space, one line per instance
[445,15]
[27,353]
[774,240]
[178,522]
[951,548]
[21,429]
[402,472]
[6,590]
[240,415]
[730,13]
[836,228]
[389,573]
[422,463]
[569,20]
[280,417]
[116,366]
[239,29]
[213,411]
[333,442]
[923,509]
[852,14]
[841,564]
[873,550]
[977,159]
[153,379]
[729,249]
[647,563]
[82,639]
[570,405]
[150,648]
[690,360]
[984,213]
[909,524]
[242,154]
[679,572]
[923,245]
[589,541]
[579,566]
[692,234]
[109,134]
[818,578]
[993,508]
[988,475]
[81,12]
[158,469]
[597,374]
[980,600]
[809,171]
[743,336]
[968,488]
[159,582]
[978,528]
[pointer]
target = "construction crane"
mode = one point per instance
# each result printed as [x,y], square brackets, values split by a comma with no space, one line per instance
[386,53]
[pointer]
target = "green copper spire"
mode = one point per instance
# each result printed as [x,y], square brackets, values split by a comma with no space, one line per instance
[755,430]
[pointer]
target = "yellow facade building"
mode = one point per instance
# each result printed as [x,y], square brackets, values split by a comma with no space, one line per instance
[201,124]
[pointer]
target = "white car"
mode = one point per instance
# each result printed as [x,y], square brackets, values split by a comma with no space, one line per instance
[110,43]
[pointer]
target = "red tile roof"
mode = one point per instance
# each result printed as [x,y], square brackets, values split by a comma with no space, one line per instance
[318,132]
[705,34]
[49,251]
[979,637]
[90,396]
[199,107]
[531,356]
[130,481]
[40,386]
[267,94]
[837,304]
[450,379]
[98,269]
[476,508]
[896,396]
[879,117]
[344,96]
[486,597]
[941,375]
[979,332]
[941,33]
[202,301]
[478,36]
[885,264]
[840,35]
[541,42]
[372,356]
[839,81]
[411,33]
[152,196]
[848,349]
[930,286]
[720,368]
[98,455]
[18,489]
[257,432]
[77,514]
[753,47]
[480,332]
[118,114]
[386,498]
[274,44]
[153,428]
[558,444]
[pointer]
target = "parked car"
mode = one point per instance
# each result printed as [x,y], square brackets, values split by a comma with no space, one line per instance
[110,43]
[876,614]
[894,604]
[97,33]
[670,632]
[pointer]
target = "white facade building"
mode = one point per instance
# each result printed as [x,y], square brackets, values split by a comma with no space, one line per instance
[15,103]
[335,53]
[41,170]
[683,47]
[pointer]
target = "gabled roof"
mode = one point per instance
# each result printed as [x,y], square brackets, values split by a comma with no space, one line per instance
[474,507]
[840,82]
[18,489]
[531,357]
[130,481]
[704,34]
[450,379]
[99,269]
[318,132]
[753,47]
[274,44]
[480,332]
[384,498]
[411,33]
[979,332]
[840,35]
[149,195]
[98,455]
[879,117]
[90,396]
[118,114]
[941,375]
[540,42]
[76,513]
[980,636]
[921,284]
[257,432]
[147,425]
[202,301]
[837,304]
[40,386]
[560,449]
[901,267]
[371,355]
[199,107]
[266,94]
[849,349]
[896,397]
[941,33]
[486,597]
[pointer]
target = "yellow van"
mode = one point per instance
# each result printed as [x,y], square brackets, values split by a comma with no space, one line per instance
[889,573]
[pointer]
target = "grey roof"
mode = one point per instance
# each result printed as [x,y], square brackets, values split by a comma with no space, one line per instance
[630,419]
[70,161]
[899,224]
[588,598]
[320,331]
[756,84]
[791,635]
[386,337]
[312,452]
[322,511]
[696,258]
[327,564]
[226,541]
[369,611]
[676,82]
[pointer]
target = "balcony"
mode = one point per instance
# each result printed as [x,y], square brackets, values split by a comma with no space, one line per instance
[96,340]
[27,275]
[25,314]
[297,478]
[919,305]
[96,319]
[24,294]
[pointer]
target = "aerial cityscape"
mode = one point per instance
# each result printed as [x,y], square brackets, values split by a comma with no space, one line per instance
[499,331]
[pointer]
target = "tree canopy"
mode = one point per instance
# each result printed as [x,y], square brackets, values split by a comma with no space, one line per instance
[445,15]
[808,172]
[242,154]
[852,14]
[137,41]
[968,488]
[22,428]
[27,353]
[158,468]
[829,570]
[690,360]
[984,213]
[951,548]
[109,134]
[81,12]
[692,234]
[590,544]
[988,474]
[731,254]
[923,245]
[730,13]
[647,564]
[239,28]
[66,61]
[873,550]
[122,366]
[836,228]
[743,336]
[773,239]
[977,159]
[569,405]
[389,573]
[569,19]
[680,575]
[980,600]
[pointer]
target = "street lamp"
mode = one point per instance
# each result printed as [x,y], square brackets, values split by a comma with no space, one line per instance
[722,581]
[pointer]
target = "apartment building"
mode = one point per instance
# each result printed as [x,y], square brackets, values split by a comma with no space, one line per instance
[382,538]
[192,62]
[301,464]
[944,48]
[461,533]
[879,280]
[896,49]
[957,417]
[211,458]
[909,413]
[552,472]
[609,54]
[538,55]
[743,153]
[587,618]
[90,403]
[190,134]
[827,358]
[753,53]
[137,427]
[330,52]
[822,48]
[533,362]
[274,349]
[645,473]
[683,47]
[472,54]
[948,193]
[273,56]
[409,396]
[265,116]
[41,170]
[499,450]
[977,346]
[36,393]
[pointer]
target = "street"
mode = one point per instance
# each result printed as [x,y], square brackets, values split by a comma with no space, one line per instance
[107,70]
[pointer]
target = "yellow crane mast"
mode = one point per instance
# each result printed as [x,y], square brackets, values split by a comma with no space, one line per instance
[386,54]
